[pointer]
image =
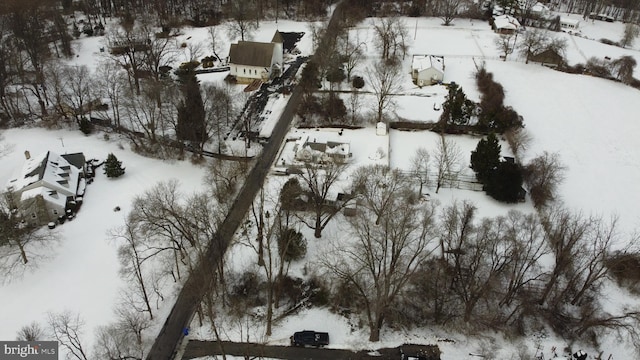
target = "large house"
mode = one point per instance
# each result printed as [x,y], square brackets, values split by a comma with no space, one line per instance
[505,24]
[320,150]
[427,69]
[250,61]
[47,185]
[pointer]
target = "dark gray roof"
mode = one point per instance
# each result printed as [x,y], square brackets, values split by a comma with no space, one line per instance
[76,159]
[251,53]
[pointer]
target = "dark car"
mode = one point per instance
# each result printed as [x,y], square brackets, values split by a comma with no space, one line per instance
[310,338]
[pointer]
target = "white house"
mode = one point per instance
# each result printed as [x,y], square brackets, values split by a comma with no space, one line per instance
[427,69]
[321,150]
[569,25]
[505,24]
[46,184]
[249,60]
[540,9]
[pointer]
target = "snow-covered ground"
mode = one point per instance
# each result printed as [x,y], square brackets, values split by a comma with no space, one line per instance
[589,121]
[81,273]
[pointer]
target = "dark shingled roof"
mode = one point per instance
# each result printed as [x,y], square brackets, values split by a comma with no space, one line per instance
[75,159]
[251,53]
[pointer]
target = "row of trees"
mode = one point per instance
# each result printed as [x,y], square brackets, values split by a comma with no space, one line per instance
[405,262]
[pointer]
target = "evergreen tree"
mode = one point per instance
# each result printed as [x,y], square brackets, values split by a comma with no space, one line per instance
[191,114]
[505,183]
[112,167]
[457,109]
[486,158]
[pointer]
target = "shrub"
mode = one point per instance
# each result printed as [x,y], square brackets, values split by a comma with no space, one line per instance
[85,126]
[357,82]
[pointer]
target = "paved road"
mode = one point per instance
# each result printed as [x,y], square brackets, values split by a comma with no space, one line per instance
[170,336]
[204,348]
[168,340]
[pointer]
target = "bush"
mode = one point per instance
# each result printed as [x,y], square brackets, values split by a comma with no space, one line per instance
[609,42]
[85,126]
[357,82]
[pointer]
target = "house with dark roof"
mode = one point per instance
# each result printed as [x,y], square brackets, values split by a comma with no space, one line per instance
[546,57]
[250,60]
[47,185]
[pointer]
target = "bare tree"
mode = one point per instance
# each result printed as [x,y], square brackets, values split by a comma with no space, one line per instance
[420,168]
[129,48]
[320,181]
[111,83]
[447,157]
[519,140]
[391,36]
[378,186]
[220,110]
[448,10]
[623,68]
[132,255]
[543,175]
[385,81]
[22,244]
[505,45]
[533,41]
[353,53]
[160,54]
[67,328]
[214,41]
[124,338]
[243,24]
[31,332]
[79,92]
[379,260]
[631,32]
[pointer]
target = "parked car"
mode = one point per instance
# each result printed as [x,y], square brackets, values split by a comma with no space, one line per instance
[309,338]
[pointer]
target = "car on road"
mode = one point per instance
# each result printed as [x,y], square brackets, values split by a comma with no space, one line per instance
[309,338]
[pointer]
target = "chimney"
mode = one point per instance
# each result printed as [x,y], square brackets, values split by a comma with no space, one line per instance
[27,154]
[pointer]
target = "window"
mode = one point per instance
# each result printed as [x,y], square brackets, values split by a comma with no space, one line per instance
[55,212]
[245,70]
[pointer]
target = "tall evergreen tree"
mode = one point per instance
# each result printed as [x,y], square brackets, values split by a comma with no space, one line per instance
[113,167]
[486,158]
[191,115]
[457,109]
[505,182]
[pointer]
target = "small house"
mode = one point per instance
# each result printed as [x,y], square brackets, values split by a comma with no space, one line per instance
[250,60]
[427,69]
[505,24]
[569,25]
[47,185]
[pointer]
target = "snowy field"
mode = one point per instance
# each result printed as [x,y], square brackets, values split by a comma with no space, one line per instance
[589,121]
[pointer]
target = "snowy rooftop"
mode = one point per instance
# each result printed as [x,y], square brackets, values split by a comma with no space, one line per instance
[422,62]
[54,172]
[506,22]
